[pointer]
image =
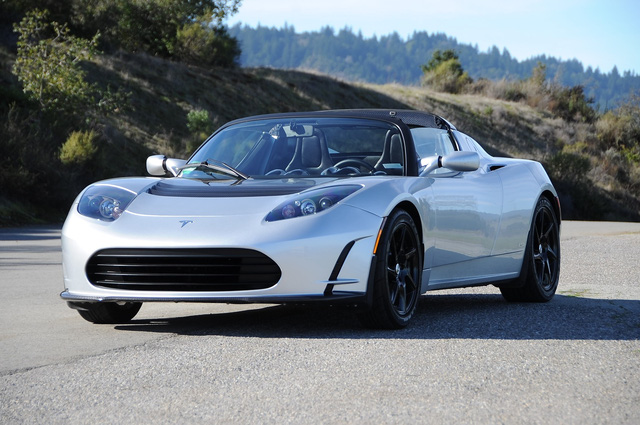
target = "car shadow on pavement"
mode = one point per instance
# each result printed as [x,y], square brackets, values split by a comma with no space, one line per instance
[458,316]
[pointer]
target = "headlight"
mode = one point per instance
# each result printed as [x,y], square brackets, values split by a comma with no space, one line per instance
[312,202]
[105,202]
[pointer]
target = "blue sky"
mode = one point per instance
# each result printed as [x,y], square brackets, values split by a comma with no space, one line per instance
[599,33]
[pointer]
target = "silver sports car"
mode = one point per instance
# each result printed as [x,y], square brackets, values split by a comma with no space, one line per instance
[369,208]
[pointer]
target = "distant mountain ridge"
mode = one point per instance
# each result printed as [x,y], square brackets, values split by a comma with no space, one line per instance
[389,59]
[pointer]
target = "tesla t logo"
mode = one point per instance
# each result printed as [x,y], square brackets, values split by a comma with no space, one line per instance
[185,222]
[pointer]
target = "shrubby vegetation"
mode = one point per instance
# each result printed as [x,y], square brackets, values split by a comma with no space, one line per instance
[79,148]
[201,125]
[444,73]
[47,63]
[198,44]
[156,27]
[568,103]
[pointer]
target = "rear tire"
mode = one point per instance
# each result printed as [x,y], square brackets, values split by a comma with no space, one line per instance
[109,313]
[541,264]
[398,271]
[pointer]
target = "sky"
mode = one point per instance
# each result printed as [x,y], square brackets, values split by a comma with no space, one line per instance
[599,33]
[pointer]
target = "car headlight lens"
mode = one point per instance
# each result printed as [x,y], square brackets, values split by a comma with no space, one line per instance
[105,202]
[312,202]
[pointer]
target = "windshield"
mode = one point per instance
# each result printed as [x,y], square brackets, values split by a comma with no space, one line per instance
[301,147]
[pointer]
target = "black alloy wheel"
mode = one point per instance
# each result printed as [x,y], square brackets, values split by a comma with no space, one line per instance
[541,265]
[396,287]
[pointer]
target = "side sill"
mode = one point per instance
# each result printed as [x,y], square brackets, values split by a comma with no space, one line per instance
[476,281]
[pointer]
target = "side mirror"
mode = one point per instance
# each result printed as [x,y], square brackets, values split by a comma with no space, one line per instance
[160,165]
[455,161]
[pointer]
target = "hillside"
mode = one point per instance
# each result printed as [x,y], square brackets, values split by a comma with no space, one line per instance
[392,59]
[35,186]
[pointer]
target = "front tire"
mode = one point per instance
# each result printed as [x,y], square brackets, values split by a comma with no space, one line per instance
[398,271]
[541,263]
[109,313]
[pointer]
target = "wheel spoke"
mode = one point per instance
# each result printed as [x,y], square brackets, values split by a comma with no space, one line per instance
[411,253]
[539,265]
[540,273]
[549,270]
[403,234]
[402,300]
[394,251]
[546,234]
[410,283]
[393,294]
[539,227]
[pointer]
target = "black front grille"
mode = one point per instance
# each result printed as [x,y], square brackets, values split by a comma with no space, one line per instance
[211,269]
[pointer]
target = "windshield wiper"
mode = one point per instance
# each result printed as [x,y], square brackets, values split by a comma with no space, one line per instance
[217,166]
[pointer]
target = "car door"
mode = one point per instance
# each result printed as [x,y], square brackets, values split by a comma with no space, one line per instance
[467,208]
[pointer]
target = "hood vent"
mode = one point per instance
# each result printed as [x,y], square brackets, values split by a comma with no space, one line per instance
[186,188]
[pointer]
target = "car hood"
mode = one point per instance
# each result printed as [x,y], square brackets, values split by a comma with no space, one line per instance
[181,197]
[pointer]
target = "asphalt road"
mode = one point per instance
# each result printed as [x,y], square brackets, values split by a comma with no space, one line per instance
[468,356]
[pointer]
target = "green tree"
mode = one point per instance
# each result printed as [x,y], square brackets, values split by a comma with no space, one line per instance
[444,72]
[438,58]
[150,26]
[158,26]
[200,44]
[539,75]
[48,63]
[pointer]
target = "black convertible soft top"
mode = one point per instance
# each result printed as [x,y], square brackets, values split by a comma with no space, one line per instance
[410,118]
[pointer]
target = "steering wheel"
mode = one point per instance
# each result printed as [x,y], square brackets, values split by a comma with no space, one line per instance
[275,172]
[296,172]
[351,162]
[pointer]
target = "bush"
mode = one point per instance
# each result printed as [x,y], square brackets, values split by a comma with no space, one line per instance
[199,44]
[567,103]
[154,26]
[199,122]
[78,148]
[571,104]
[48,63]
[444,73]
[201,126]
[569,166]
[620,128]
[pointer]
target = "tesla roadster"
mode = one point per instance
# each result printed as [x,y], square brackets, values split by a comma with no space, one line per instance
[369,208]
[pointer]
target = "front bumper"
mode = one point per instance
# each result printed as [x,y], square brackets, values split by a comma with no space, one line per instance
[323,258]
